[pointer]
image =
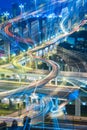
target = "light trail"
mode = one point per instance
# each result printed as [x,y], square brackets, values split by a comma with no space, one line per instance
[50,76]
[59,37]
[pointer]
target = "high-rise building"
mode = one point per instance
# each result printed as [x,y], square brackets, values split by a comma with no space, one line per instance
[15,9]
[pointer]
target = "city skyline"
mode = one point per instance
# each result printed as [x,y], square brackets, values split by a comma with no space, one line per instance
[43,64]
[6,5]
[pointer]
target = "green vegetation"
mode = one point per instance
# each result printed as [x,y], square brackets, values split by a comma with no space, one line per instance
[4,112]
[4,61]
[6,109]
[62,83]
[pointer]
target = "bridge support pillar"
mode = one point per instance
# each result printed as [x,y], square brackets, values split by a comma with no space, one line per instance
[56,102]
[36,64]
[49,68]
[48,48]
[29,29]
[37,53]
[56,81]
[55,47]
[7,50]
[27,102]
[77,107]
[43,52]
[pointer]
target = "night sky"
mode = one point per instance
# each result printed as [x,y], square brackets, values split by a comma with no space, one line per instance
[5,5]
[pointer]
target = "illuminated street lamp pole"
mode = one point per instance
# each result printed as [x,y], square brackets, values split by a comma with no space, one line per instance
[83,2]
[6,14]
[35,3]
[21,6]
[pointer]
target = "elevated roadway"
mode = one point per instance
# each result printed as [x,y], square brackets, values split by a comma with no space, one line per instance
[54,67]
[60,91]
[54,71]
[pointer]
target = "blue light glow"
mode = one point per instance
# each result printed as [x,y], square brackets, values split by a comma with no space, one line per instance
[73,95]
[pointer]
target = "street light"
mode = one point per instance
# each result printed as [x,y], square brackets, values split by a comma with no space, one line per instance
[35,2]
[6,14]
[21,6]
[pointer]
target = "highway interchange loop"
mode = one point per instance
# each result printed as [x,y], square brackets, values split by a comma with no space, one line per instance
[55,68]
